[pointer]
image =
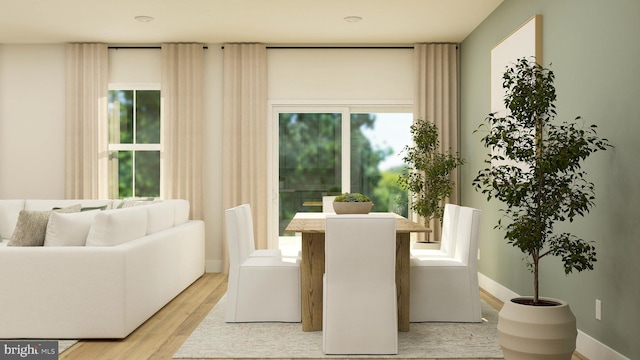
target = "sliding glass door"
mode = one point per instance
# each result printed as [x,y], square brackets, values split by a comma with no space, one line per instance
[309,162]
[328,151]
[376,142]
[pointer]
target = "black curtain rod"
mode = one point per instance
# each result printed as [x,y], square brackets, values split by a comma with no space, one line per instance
[281,47]
[140,47]
[346,47]
[337,47]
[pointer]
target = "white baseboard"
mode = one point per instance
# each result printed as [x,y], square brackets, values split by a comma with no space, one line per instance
[494,288]
[585,344]
[593,349]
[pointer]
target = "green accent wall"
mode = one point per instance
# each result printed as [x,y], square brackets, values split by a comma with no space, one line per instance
[593,47]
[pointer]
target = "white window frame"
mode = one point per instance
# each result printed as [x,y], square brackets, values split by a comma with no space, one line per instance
[140,147]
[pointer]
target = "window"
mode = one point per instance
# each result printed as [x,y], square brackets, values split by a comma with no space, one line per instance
[376,141]
[320,154]
[134,141]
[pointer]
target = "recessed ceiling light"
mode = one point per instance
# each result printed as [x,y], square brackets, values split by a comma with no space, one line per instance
[143,18]
[353,19]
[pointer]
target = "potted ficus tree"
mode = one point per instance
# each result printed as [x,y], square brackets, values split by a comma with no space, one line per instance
[428,173]
[535,169]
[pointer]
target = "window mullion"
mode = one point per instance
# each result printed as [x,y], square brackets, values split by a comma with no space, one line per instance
[346,150]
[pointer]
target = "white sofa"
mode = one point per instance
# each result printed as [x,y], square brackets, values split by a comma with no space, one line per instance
[135,260]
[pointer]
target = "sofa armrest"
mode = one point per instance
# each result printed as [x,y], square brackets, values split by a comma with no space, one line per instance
[160,266]
[96,292]
[52,285]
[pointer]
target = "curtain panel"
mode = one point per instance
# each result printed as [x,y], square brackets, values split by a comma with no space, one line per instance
[245,151]
[182,107]
[86,128]
[436,100]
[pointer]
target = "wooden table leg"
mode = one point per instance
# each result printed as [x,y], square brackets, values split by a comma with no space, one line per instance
[311,272]
[403,256]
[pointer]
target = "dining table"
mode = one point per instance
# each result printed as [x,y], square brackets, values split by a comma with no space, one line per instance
[312,227]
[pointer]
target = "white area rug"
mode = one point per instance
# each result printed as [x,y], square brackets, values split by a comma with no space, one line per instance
[65,344]
[214,338]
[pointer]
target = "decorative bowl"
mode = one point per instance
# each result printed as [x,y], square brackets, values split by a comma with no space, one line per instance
[352,207]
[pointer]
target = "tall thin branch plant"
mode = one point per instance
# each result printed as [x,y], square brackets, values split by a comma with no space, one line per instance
[428,173]
[535,169]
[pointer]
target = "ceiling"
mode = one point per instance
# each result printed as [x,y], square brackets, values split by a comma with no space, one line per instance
[220,21]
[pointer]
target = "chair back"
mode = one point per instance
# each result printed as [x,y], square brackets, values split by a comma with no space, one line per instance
[360,309]
[467,233]
[232,227]
[240,238]
[449,226]
[246,221]
[236,258]
[360,249]
[327,204]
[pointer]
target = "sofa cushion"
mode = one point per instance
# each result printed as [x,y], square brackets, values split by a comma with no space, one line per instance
[91,208]
[182,211]
[114,227]
[69,229]
[134,201]
[31,227]
[49,204]
[9,211]
[161,216]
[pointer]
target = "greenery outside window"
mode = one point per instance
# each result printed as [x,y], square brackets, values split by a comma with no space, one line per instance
[319,154]
[134,141]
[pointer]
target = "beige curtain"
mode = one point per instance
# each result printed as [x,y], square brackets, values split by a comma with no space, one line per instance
[182,106]
[244,133]
[436,100]
[86,156]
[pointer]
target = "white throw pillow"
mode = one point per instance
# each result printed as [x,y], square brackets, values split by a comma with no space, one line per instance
[69,229]
[114,227]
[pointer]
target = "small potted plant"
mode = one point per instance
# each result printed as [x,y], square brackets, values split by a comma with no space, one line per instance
[352,203]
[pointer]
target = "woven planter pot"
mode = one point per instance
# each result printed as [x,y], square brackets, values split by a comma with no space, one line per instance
[352,207]
[537,332]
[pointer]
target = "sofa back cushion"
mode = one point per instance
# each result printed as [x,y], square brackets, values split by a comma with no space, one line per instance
[48,204]
[182,211]
[114,227]
[160,216]
[9,212]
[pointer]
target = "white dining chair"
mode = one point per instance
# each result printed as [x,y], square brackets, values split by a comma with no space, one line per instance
[446,288]
[260,288]
[327,204]
[247,236]
[448,237]
[360,313]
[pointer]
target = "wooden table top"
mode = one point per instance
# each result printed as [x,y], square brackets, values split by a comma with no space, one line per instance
[314,222]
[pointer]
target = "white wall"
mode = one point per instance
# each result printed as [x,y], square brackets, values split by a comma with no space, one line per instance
[135,65]
[345,74]
[32,108]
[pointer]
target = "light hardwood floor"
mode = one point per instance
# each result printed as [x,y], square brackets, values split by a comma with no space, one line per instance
[161,336]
